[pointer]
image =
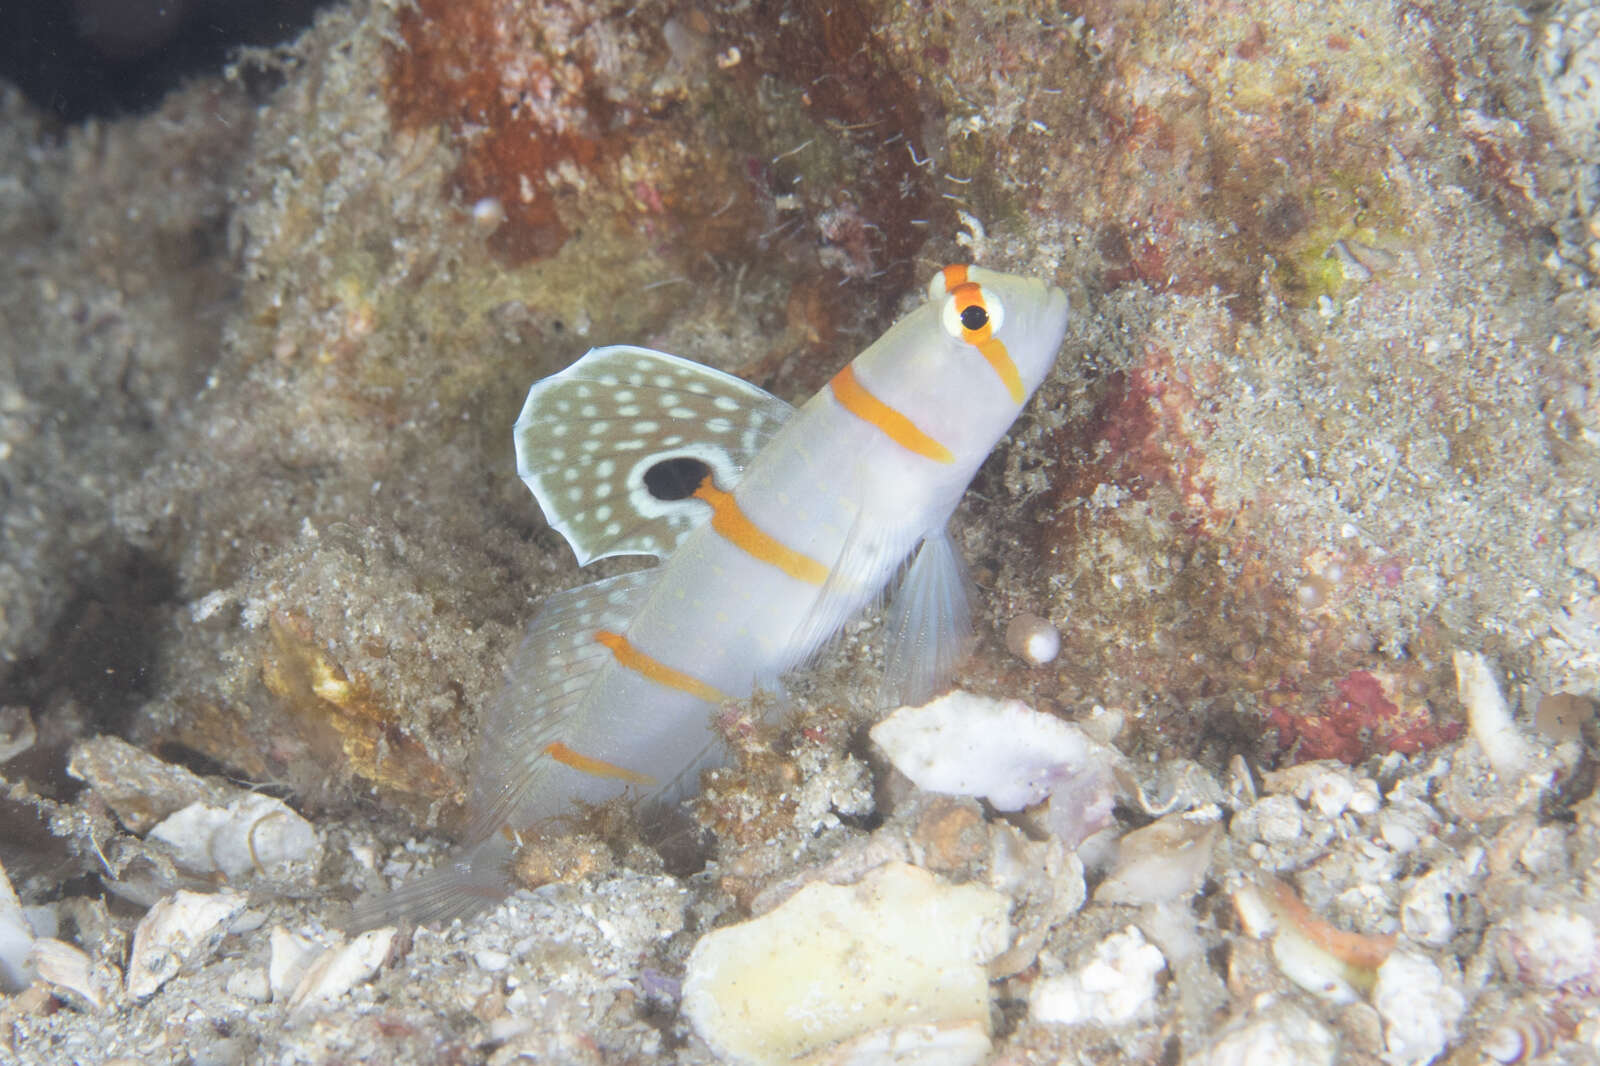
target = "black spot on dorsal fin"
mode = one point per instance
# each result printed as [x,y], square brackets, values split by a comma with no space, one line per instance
[675,478]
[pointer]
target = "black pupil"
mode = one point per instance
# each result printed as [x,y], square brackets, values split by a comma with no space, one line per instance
[974,317]
[675,479]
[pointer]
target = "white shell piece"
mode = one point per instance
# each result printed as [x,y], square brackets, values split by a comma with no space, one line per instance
[179,929]
[1420,1009]
[1279,1035]
[339,969]
[1490,717]
[290,957]
[254,834]
[1313,969]
[1002,750]
[490,960]
[1256,918]
[1117,985]
[1165,860]
[1299,957]
[71,973]
[947,1044]
[16,937]
[833,962]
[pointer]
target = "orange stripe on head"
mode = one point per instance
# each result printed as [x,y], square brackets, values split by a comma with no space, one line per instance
[954,276]
[969,305]
[735,527]
[994,350]
[854,397]
[597,767]
[632,658]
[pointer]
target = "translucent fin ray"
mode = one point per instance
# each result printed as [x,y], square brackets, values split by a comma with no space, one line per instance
[463,884]
[588,437]
[545,680]
[929,628]
[869,554]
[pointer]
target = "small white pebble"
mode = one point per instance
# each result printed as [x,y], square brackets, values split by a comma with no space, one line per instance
[1033,639]
[1115,986]
[490,960]
[1421,1008]
[1366,800]
[1278,820]
[488,213]
[1331,793]
[1398,831]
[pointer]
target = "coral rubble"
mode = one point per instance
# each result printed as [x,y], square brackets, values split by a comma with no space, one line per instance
[1300,537]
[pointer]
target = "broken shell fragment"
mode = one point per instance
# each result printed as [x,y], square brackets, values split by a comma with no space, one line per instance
[182,928]
[72,975]
[1551,948]
[1165,860]
[16,937]
[1001,750]
[254,834]
[1490,717]
[340,968]
[290,957]
[900,948]
[1327,961]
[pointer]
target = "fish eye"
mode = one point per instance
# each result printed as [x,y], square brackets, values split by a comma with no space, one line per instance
[968,310]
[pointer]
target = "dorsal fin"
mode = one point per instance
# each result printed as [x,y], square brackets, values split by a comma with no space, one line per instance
[613,445]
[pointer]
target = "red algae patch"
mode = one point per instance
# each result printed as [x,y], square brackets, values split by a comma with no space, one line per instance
[518,97]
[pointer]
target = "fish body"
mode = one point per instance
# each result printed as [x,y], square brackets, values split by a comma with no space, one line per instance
[774,527]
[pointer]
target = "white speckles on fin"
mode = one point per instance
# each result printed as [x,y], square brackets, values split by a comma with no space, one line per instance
[929,628]
[657,408]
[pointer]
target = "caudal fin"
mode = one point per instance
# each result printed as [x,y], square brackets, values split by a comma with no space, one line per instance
[467,881]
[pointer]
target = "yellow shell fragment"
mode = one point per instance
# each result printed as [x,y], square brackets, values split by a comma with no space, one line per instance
[900,948]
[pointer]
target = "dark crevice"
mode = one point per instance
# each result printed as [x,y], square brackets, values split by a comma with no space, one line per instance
[79,59]
[100,659]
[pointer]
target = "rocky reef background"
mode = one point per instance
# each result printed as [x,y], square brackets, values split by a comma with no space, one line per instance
[1328,413]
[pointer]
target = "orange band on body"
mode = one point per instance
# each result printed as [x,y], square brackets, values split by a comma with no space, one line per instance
[654,670]
[854,397]
[736,527]
[598,767]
